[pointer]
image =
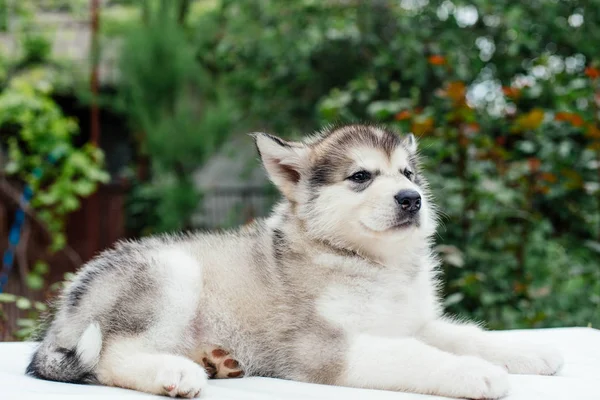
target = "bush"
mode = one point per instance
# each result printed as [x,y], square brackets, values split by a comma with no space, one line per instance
[41,156]
[180,115]
[504,98]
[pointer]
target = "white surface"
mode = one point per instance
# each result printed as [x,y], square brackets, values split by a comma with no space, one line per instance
[579,379]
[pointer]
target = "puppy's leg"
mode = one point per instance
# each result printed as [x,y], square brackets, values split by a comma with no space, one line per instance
[516,356]
[125,363]
[410,365]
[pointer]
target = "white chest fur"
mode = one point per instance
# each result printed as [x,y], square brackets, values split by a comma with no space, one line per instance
[381,303]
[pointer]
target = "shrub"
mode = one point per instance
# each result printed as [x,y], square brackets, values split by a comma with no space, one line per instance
[180,115]
[504,98]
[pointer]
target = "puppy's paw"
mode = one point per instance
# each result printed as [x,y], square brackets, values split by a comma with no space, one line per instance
[219,363]
[180,377]
[475,378]
[532,359]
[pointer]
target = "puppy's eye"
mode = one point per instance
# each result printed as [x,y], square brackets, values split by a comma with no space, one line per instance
[360,177]
[408,174]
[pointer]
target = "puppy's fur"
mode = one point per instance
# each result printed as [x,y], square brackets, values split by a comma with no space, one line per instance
[338,287]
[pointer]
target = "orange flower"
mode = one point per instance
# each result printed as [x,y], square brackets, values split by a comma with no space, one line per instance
[592,131]
[534,164]
[543,189]
[530,121]
[511,92]
[594,146]
[454,90]
[576,120]
[403,115]
[574,179]
[548,177]
[473,127]
[562,116]
[422,126]
[436,59]
[572,118]
[519,287]
[592,72]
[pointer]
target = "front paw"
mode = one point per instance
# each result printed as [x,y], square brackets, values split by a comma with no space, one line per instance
[180,377]
[532,359]
[475,378]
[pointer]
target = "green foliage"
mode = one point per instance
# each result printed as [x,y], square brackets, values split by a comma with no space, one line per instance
[181,117]
[41,153]
[32,308]
[31,311]
[504,98]
[4,16]
[36,49]
[515,171]
[119,19]
[279,58]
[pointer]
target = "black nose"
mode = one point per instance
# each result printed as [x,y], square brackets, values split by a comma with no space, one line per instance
[409,200]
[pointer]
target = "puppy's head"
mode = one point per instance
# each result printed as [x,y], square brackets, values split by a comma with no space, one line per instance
[352,185]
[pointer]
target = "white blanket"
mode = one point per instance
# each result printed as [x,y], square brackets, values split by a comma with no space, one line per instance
[579,379]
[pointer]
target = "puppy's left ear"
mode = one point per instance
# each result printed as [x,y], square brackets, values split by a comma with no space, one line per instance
[410,143]
[284,161]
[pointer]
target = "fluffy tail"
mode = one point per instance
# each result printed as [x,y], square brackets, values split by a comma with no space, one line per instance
[75,365]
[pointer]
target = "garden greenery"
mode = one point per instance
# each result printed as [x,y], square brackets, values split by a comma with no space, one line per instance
[180,115]
[504,99]
[503,96]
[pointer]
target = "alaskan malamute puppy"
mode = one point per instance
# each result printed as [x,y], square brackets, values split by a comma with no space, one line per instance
[337,287]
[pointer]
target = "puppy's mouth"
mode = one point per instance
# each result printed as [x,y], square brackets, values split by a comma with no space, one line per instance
[395,226]
[406,223]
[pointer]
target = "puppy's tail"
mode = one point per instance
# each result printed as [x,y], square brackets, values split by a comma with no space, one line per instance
[75,365]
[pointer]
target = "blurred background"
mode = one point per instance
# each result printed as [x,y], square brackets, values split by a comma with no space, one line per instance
[125,118]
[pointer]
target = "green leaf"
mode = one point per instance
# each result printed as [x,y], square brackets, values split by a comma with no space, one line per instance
[24,333]
[25,323]
[23,304]
[7,298]
[98,175]
[41,268]
[593,245]
[46,199]
[70,203]
[58,243]
[453,299]
[12,167]
[84,188]
[34,282]
[69,276]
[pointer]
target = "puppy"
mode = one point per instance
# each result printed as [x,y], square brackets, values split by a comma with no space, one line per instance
[337,286]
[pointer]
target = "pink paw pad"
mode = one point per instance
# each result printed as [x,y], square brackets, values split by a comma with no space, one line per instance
[218,363]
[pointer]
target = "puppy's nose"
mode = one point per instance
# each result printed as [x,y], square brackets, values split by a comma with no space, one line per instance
[409,200]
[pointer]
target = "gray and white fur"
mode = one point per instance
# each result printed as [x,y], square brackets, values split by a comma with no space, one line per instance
[337,286]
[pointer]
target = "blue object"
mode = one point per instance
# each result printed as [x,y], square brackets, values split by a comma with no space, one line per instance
[13,238]
[15,230]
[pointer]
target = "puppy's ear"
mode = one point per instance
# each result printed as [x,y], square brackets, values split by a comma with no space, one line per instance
[410,143]
[284,161]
